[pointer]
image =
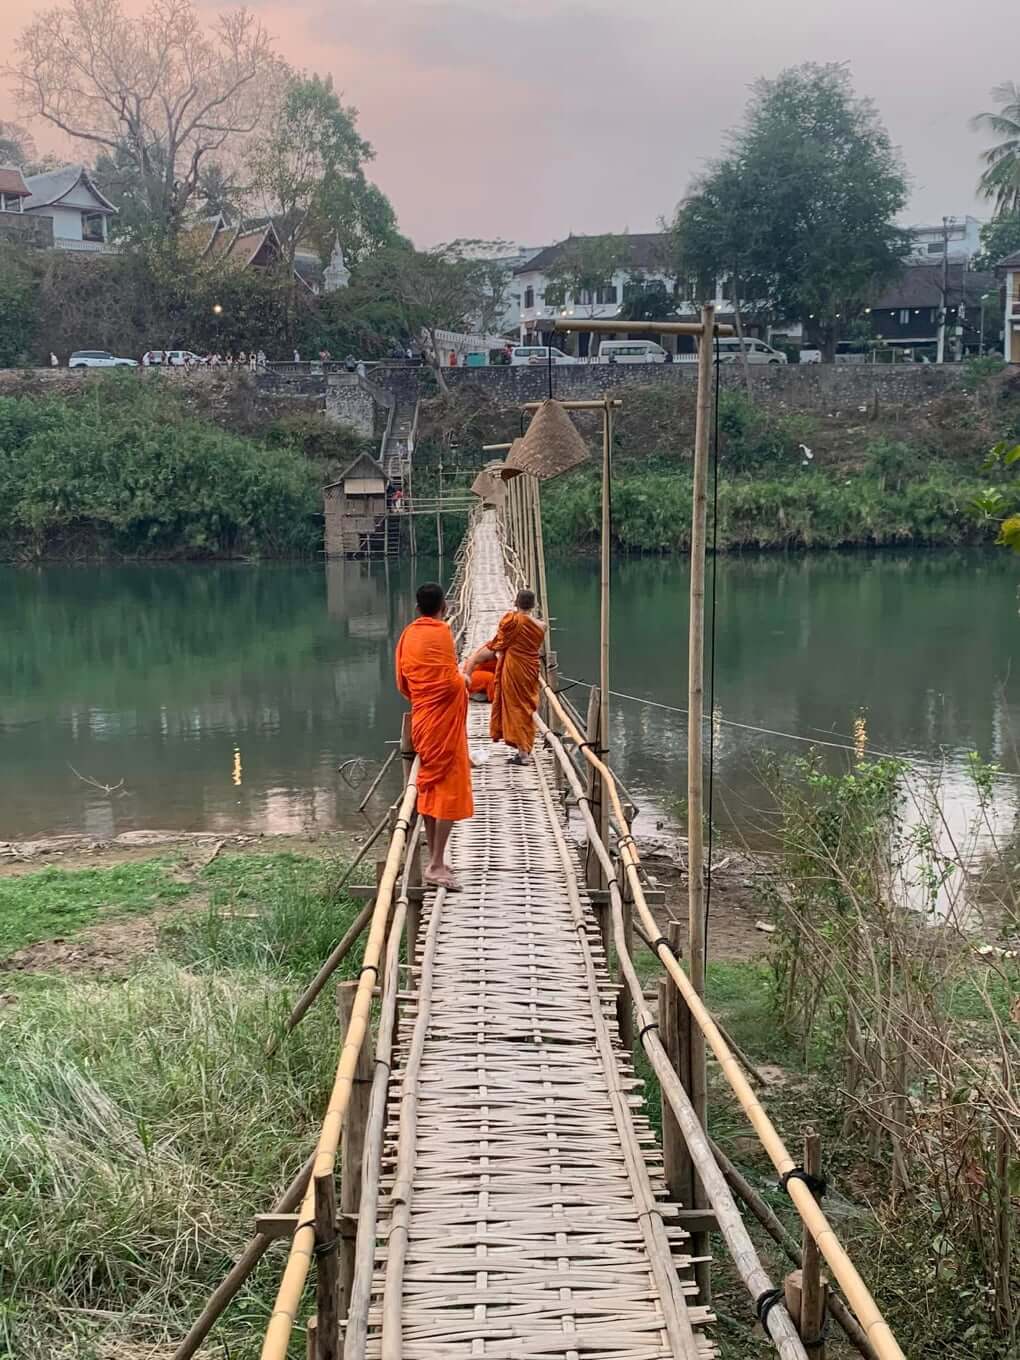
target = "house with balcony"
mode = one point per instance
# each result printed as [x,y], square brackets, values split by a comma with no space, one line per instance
[905,315]
[1008,272]
[16,226]
[79,213]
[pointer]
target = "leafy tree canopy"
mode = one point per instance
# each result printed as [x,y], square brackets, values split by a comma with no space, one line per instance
[999,237]
[1000,180]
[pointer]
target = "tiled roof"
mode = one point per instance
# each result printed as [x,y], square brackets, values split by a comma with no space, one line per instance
[920,285]
[1010,262]
[643,250]
[11,182]
[50,187]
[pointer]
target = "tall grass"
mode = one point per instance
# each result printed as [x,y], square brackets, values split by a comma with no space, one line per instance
[142,1124]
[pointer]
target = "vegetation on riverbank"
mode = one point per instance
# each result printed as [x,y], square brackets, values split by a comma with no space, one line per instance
[142,1123]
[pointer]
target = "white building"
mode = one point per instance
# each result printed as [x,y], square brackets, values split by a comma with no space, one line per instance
[1009,270]
[79,211]
[929,242]
[648,262]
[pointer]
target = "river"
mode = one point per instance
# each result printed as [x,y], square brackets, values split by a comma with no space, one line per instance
[224,698]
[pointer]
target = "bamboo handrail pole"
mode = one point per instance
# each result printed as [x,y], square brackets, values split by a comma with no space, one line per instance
[731,1225]
[540,550]
[857,1293]
[356,1330]
[577,405]
[775,1229]
[288,1298]
[242,1267]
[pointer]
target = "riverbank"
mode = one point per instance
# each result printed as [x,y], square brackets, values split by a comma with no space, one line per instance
[136,467]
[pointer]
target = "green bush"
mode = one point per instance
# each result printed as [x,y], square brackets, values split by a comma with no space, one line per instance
[127,469]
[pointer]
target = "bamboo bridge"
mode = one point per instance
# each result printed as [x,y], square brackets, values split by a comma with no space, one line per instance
[486,1183]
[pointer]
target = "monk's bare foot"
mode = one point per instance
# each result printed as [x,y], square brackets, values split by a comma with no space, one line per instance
[443,877]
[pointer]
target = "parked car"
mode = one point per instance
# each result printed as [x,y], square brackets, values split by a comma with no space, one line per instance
[756,350]
[631,352]
[538,354]
[98,358]
[173,358]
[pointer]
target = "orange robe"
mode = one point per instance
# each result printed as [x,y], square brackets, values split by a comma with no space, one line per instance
[427,675]
[515,696]
[483,680]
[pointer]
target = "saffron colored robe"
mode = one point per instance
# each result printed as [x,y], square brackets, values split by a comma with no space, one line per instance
[427,675]
[483,680]
[515,694]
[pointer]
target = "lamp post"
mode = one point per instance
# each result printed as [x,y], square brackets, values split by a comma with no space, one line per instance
[217,312]
[981,333]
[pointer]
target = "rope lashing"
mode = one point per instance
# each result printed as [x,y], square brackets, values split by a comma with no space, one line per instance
[816,1184]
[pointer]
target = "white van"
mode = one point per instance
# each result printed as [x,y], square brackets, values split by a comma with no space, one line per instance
[538,354]
[756,350]
[631,352]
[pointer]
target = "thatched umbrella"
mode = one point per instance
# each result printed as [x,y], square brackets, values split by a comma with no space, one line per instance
[551,446]
[510,469]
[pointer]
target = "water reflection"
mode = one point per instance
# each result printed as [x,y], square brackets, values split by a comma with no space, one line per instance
[225,697]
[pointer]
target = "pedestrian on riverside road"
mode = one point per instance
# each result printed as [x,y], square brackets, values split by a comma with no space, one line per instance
[427,675]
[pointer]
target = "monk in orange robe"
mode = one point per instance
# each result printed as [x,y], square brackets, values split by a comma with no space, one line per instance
[517,649]
[427,675]
[482,682]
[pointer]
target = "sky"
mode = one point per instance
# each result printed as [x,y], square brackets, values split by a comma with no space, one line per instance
[524,120]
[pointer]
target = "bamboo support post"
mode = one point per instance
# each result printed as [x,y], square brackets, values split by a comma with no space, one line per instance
[746,1192]
[327,1268]
[675,1037]
[241,1269]
[332,963]
[812,1285]
[378,779]
[288,1298]
[845,1272]
[311,1339]
[594,872]
[352,1146]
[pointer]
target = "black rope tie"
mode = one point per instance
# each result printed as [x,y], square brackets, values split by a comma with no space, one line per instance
[626,840]
[816,1184]
[593,747]
[326,1248]
[655,944]
[815,1343]
[369,968]
[764,1304]
[642,1032]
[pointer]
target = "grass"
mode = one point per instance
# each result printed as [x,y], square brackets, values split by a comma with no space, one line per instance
[142,1124]
[56,902]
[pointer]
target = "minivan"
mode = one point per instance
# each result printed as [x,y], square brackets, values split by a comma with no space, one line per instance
[631,352]
[756,350]
[98,358]
[538,354]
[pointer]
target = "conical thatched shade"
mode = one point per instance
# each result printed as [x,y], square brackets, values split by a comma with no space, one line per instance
[552,444]
[489,486]
[509,470]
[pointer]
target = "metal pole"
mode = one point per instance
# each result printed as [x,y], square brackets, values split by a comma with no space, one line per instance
[940,357]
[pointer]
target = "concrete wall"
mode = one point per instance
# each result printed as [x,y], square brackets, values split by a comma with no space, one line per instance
[349,403]
[26,229]
[807,387]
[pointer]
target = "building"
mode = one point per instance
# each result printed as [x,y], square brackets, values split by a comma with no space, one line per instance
[647,261]
[357,512]
[253,246]
[906,314]
[79,212]
[16,226]
[963,235]
[1008,272]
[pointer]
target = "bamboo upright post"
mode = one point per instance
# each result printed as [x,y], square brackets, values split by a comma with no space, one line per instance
[696,934]
[812,1286]
[543,586]
[607,443]
[593,872]
[675,1036]
[327,1272]
[352,1146]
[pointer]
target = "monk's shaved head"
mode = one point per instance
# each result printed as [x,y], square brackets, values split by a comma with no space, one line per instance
[431,598]
[525,599]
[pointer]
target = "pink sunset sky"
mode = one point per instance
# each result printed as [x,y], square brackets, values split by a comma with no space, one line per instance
[531,118]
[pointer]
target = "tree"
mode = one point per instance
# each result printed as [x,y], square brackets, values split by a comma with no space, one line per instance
[304,165]
[1001,178]
[433,290]
[584,272]
[804,203]
[156,91]
[19,312]
[999,237]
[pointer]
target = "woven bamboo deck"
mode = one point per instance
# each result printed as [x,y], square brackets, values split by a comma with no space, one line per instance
[537,1221]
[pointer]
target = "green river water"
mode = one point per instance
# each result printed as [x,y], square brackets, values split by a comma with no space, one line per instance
[225,697]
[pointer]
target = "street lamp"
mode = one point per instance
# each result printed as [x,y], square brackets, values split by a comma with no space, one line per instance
[217,312]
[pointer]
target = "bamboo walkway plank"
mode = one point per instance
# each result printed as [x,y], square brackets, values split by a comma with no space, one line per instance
[523,1210]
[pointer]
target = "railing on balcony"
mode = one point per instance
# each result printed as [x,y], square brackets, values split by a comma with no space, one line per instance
[91,247]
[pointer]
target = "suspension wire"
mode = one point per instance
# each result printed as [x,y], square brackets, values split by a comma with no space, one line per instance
[712,634]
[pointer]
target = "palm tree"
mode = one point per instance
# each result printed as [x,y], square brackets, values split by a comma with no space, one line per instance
[1001,178]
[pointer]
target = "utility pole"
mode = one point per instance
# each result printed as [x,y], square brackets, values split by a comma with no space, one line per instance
[940,357]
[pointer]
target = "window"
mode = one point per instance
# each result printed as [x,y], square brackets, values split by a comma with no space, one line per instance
[93,227]
[904,316]
[607,294]
[934,247]
[529,297]
[10,203]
